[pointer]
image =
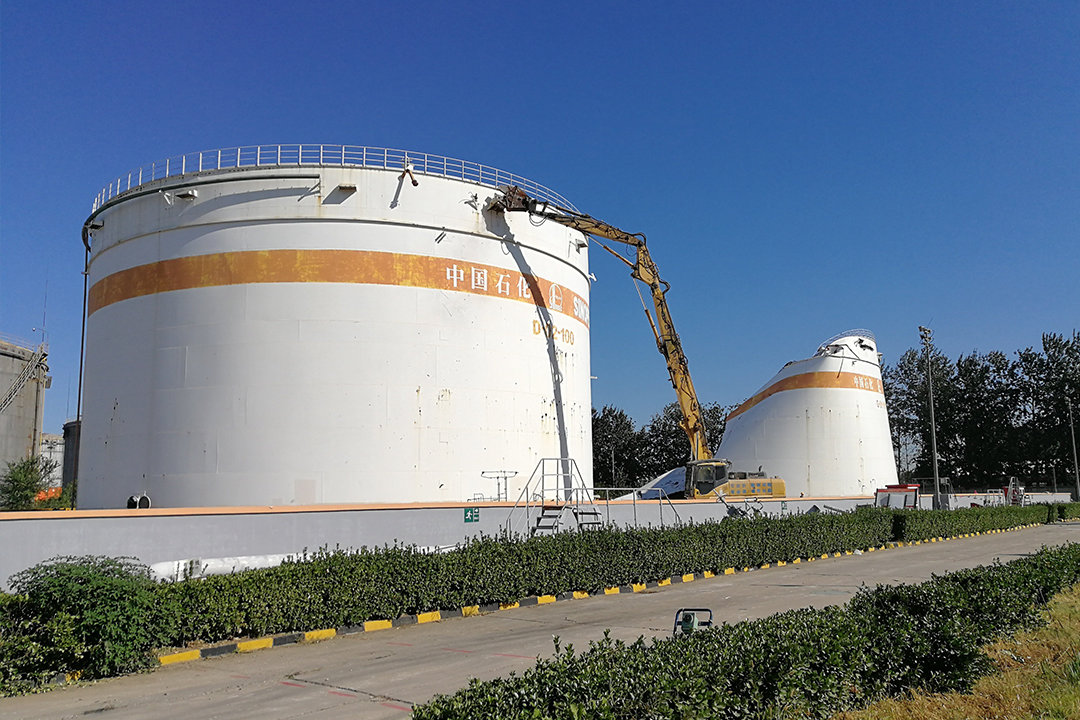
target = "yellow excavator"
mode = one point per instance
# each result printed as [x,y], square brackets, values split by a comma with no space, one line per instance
[706,476]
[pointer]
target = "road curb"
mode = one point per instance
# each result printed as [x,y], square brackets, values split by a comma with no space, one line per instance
[294,638]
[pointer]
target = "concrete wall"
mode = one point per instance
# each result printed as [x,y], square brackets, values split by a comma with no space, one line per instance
[165,535]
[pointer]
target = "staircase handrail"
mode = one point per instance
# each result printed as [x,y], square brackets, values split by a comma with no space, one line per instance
[664,497]
[570,494]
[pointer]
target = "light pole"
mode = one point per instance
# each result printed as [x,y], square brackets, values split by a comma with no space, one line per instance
[1072,433]
[927,337]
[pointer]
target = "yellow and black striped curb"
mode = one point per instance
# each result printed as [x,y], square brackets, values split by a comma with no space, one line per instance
[242,646]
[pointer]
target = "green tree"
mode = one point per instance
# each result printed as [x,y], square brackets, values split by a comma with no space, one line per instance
[1049,379]
[996,417]
[23,480]
[907,396]
[615,438]
[985,419]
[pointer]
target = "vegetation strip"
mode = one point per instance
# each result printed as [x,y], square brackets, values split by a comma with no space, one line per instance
[104,616]
[885,642]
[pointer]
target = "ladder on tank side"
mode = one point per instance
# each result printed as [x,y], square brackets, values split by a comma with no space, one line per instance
[557,489]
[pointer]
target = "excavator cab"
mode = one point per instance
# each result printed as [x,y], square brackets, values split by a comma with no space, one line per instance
[704,476]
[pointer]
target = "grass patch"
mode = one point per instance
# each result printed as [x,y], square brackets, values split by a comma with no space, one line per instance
[1037,675]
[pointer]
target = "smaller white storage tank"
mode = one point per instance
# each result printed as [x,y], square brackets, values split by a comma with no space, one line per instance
[820,424]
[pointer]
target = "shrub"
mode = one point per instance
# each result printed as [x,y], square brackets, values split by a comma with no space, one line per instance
[93,615]
[31,647]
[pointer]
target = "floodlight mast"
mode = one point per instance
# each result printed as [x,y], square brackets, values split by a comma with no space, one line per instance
[927,337]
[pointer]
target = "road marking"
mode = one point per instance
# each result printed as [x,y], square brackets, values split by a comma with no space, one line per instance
[249,645]
[392,706]
[179,657]
[292,684]
[315,635]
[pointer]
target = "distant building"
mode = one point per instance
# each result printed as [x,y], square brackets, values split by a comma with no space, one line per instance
[52,448]
[23,381]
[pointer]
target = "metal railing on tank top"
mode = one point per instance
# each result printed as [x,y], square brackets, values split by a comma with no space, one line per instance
[298,155]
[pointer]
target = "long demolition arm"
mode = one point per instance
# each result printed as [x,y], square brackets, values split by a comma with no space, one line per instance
[644,269]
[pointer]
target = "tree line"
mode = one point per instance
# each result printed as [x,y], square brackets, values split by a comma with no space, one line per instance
[997,417]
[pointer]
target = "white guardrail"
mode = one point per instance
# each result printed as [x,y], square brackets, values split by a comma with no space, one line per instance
[270,156]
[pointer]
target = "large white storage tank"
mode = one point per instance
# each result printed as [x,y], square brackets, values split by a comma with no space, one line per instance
[281,325]
[820,424]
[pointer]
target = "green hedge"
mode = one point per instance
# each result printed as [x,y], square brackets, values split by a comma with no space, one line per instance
[925,524]
[348,587]
[1068,511]
[801,663]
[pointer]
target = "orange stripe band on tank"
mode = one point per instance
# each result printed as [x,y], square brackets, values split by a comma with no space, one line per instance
[842,380]
[361,267]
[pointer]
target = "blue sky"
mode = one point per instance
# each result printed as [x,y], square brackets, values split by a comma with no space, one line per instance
[799,168]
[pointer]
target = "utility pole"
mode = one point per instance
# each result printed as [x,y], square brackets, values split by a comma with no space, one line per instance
[1072,433]
[927,337]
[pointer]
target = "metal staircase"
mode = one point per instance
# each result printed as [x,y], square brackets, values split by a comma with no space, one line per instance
[558,491]
[553,518]
[36,360]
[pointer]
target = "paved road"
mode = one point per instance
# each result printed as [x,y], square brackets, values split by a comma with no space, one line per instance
[381,674]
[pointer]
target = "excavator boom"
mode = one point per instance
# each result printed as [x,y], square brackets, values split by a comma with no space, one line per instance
[644,269]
